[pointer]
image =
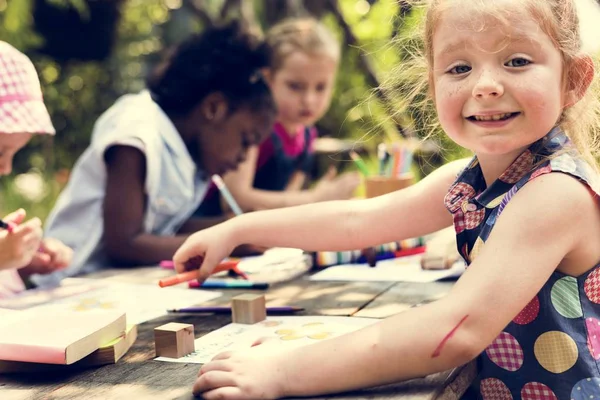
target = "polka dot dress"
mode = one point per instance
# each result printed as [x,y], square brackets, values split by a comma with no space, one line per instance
[551,349]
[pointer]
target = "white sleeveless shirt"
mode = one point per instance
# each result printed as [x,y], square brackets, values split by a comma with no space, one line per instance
[174,187]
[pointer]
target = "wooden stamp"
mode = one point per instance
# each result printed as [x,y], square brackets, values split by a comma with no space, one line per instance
[248,308]
[174,340]
[441,252]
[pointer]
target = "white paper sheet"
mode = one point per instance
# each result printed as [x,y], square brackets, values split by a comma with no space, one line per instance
[275,259]
[275,265]
[403,269]
[292,331]
[140,302]
[34,297]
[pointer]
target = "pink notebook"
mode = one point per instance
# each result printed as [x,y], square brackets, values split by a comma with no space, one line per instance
[57,337]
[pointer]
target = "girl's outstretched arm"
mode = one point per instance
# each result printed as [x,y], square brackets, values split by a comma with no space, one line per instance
[335,225]
[518,258]
[355,224]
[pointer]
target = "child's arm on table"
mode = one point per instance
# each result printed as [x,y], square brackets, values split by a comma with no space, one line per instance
[124,208]
[440,335]
[241,185]
[336,225]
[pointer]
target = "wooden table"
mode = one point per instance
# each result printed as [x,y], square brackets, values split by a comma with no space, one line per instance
[138,376]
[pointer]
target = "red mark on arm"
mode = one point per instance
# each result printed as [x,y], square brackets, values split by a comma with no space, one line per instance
[438,350]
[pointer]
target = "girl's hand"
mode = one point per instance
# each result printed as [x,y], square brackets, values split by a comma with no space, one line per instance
[17,248]
[52,255]
[257,373]
[204,250]
[333,187]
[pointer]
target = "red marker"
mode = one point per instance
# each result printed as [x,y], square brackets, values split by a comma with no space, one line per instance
[190,275]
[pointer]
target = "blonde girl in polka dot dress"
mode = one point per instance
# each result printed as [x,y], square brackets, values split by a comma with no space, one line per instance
[509,81]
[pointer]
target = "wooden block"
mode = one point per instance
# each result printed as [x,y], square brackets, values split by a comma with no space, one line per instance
[441,251]
[174,340]
[248,308]
[113,351]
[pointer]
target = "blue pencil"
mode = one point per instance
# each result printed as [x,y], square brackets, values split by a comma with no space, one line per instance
[227,195]
[228,285]
[407,160]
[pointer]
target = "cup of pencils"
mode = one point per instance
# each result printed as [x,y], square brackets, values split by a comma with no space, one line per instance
[394,170]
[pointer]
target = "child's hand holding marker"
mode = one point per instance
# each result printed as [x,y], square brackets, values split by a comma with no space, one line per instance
[204,251]
[19,242]
[204,261]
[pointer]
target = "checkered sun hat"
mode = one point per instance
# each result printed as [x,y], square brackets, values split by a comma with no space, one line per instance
[22,108]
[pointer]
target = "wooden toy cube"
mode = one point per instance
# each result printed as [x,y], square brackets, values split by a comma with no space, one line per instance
[441,252]
[174,340]
[248,308]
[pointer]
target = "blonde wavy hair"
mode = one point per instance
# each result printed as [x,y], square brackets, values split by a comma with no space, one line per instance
[411,79]
[306,35]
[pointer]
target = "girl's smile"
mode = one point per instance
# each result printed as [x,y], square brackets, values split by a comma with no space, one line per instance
[493,119]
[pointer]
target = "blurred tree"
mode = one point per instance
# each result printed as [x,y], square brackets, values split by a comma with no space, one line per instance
[89,52]
[68,28]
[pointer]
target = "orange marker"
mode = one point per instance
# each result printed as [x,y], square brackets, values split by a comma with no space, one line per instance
[190,275]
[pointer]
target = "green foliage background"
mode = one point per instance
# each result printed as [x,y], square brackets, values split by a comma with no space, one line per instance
[77,92]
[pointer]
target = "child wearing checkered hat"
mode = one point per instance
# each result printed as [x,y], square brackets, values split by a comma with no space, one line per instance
[22,114]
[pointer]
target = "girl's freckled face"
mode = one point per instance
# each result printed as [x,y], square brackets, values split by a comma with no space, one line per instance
[489,69]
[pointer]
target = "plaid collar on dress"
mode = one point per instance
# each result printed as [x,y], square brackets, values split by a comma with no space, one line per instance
[470,184]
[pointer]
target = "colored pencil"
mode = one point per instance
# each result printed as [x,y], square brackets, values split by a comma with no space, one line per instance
[227,310]
[407,161]
[359,163]
[382,157]
[397,165]
[228,285]
[227,194]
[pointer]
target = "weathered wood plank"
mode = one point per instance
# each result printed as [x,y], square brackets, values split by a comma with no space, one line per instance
[402,296]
